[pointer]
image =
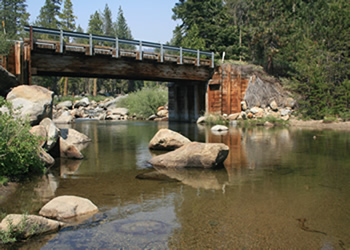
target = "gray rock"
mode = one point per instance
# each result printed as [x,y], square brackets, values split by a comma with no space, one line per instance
[69,151]
[201,120]
[52,133]
[166,139]
[273,106]
[30,224]
[219,128]
[46,158]
[243,105]
[193,154]
[40,132]
[65,104]
[119,111]
[163,113]
[152,117]
[290,102]
[32,101]
[72,136]
[64,118]
[285,112]
[233,116]
[255,110]
[68,206]
[82,103]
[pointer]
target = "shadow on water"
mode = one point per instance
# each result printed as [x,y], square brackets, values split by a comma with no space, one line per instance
[273,180]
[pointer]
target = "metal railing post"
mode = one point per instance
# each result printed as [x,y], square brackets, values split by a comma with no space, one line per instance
[116,47]
[198,58]
[212,59]
[181,55]
[91,49]
[61,41]
[161,53]
[140,50]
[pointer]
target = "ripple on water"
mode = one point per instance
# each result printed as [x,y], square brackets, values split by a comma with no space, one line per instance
[142,227]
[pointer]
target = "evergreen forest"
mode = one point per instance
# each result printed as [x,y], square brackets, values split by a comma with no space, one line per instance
[305,44]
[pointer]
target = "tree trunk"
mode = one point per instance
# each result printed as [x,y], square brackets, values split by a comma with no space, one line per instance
[65,89]
[95,87]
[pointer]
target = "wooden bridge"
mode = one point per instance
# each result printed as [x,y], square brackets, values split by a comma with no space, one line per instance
[105,57]
[195,85]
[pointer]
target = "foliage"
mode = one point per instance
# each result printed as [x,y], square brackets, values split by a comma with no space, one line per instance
[145,102]
[49,15]
[67,16]
[306,42]
[17,232]
[205,25]
[13,15]
[19,149]
[5,45]
[215,119]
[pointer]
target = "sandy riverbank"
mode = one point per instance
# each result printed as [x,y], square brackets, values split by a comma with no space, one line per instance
[319,124]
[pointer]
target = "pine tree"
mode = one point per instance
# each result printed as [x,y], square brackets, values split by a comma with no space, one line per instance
[108,29]
[95,24]
[122,30]
[49,15]
[13,16]
[205,23]
[67,16]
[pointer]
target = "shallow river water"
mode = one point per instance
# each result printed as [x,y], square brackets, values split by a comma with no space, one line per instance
[280,189]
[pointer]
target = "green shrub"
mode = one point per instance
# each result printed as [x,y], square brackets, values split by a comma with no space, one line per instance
[215,119]
[19,149]
[145,102]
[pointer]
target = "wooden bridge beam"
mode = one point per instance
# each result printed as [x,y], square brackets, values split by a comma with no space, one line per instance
[101,66]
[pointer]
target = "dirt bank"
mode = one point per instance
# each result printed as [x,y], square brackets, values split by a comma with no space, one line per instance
[319,124]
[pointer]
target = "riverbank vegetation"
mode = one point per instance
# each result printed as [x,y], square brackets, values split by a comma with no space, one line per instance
[305,44]
[19,149]
[144,103]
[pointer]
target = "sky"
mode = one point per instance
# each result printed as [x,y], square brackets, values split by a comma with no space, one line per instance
[148,20]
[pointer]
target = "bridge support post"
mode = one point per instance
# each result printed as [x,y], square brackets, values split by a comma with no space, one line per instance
[186,100]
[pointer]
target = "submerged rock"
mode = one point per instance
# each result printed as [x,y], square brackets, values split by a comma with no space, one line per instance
[166,139]
[193,154]
[67,206]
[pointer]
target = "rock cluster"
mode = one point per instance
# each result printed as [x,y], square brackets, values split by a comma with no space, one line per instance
[272,109]
[66,112]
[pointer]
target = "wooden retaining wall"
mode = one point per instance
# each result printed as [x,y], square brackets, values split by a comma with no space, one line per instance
[226,89]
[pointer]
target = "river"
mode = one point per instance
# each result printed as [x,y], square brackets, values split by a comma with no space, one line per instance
[281,188]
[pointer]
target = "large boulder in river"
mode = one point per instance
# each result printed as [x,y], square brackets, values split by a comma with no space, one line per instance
[69,151]
[30,225]
[68,206]
[64,118]
[193,155]
[166,139]
[52,133]
[32,101]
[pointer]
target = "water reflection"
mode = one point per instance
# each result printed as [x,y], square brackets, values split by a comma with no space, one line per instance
[273,179]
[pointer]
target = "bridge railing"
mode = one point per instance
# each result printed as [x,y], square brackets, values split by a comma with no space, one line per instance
[117,41]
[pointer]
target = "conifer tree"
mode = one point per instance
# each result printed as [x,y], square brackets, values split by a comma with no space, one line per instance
[13,16]
[49,14]
[67,16]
